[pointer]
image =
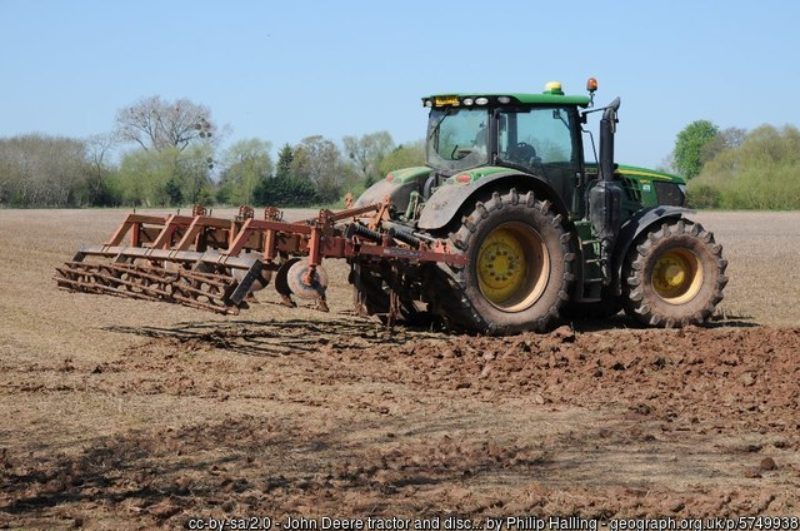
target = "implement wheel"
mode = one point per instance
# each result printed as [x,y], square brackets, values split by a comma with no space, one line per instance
[674,276]
[519,267]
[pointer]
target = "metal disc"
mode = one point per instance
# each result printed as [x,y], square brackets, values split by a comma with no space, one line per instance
[259,283]
[281,283]
[296,279]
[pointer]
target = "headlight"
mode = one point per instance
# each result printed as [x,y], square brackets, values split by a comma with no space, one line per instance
[482,101]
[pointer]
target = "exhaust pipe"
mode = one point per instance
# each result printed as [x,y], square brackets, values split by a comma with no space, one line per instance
[606,196]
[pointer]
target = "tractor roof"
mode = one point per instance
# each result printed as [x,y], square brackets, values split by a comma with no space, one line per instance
[466,99]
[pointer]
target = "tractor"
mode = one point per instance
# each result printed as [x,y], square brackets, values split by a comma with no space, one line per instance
[506,228]
[544,232]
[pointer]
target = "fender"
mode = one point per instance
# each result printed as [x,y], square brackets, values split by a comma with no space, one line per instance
[635,226]
[398,186]
[446,202]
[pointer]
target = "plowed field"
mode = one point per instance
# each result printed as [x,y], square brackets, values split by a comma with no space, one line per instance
[117,413]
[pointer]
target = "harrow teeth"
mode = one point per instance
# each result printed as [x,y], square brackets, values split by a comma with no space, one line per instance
[207,291]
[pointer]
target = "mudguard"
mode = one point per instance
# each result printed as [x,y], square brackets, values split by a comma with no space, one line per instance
[635,226]
[376,193]
[398,189]
[446,202]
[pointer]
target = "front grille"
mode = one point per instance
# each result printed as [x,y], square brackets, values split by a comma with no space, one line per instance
[632,189]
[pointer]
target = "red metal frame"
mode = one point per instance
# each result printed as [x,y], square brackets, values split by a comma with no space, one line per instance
[221,260]
[175,236]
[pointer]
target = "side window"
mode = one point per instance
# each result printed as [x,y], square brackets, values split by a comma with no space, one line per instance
[539,136]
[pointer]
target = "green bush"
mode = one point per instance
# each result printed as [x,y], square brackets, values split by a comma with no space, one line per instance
[286,192]
[762,173]
[701,195]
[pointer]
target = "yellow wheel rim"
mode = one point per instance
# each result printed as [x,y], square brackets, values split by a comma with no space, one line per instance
[677,276]
[513,266]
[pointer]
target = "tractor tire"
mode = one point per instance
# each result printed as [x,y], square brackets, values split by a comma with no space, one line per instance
[674,276]
[519,268]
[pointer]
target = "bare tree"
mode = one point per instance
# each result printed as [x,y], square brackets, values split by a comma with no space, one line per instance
[38,170]
[98,147]
[367,152]
[318,160]
[156,124]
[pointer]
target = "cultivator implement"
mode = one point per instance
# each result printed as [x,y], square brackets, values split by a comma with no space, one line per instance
[217,289]
[217,264]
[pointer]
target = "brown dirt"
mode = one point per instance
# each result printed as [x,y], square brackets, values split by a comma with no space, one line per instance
[122,413]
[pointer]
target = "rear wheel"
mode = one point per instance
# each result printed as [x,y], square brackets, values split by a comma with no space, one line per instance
[518,271]
[674,276]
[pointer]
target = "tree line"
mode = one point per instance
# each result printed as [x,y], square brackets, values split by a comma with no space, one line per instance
[170,154]
[737,169]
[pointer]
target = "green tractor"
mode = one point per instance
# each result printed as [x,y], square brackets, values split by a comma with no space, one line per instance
[545,233]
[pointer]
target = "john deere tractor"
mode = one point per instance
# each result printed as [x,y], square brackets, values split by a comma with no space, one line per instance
[544,232]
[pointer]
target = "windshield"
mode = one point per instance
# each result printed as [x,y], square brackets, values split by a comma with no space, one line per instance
[458,138]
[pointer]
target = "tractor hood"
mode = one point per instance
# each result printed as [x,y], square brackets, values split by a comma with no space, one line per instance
[638,173]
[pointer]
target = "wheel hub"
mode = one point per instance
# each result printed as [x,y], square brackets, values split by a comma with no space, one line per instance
[511,267]
[677,276]
[501,264]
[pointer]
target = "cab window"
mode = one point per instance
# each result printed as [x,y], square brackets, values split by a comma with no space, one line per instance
[531,137]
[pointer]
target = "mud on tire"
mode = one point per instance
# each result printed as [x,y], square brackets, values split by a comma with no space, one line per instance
[460,298]
[692,304]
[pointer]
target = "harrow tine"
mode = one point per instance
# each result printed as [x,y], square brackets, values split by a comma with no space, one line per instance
[208,280]
[101,289]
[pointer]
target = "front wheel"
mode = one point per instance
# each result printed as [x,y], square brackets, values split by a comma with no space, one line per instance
[674,276]
[519,267]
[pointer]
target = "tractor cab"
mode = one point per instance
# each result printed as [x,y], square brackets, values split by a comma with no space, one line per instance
[536,134]
[518,130]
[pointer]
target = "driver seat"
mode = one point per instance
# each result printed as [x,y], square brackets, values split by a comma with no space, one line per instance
[524,154]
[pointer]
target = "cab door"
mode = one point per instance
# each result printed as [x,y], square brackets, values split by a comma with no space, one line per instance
[543,141]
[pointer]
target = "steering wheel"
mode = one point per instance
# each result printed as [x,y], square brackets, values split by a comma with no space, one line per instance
[459,153]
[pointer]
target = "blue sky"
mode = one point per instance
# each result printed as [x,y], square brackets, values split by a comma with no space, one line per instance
[284,70]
